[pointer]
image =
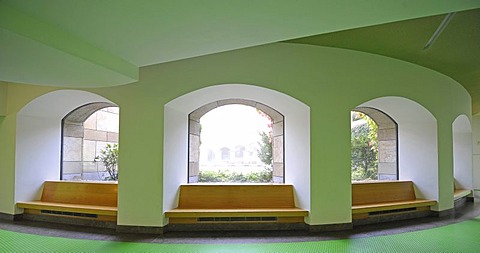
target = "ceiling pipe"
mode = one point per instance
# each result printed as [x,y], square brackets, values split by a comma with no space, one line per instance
[439,30]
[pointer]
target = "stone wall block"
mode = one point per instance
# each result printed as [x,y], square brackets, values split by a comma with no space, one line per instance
[91,122]
[73,130]
[95,135]
[237,101]
[197,114]
[90,167]
[107,121]
[387,151]
[278,128]
[72,149]
[193,169]
[194,149]
[99,146]
[278,149]
[112,137]
[387,134]
[387,168]
[89,150]
[194,127]
[278,169]
[72,167]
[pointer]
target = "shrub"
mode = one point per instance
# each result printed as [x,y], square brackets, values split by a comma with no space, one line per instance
[109,158]
[227,176]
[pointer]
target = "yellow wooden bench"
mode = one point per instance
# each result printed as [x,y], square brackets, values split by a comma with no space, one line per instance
[460,193]
[386,198]
[245,203]
[84,200]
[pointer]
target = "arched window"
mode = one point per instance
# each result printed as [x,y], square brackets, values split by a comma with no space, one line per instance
[242,155]
[89,133]
[374,145]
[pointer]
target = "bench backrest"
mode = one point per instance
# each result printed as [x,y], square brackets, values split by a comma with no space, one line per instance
[364,193]
[85,193]
[197,196]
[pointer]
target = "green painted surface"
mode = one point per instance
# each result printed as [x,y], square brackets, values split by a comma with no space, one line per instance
[3,98]
[330,81]
[454,53]
[53,37]
[123,35]
[460,237]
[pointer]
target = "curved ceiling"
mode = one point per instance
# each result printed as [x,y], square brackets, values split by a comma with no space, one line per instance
[90,43]
[456,52]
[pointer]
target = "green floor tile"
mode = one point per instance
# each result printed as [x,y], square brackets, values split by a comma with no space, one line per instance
[460,237]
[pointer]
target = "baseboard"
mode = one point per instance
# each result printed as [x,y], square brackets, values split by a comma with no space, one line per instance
[330,227]
[443,213]
[70,221]
[236,227]
[140,230]
[391,217]
[10,217]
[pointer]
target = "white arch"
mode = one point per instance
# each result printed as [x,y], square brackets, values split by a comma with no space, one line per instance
[417,142]
[38,139]
[297,136]
[462,152]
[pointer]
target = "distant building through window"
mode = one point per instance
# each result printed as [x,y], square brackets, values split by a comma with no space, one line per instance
[233,141]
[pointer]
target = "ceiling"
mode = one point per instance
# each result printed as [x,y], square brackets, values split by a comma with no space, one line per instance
[456,52]
[91,43]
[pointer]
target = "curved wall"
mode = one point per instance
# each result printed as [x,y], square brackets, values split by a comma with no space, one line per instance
[330,81]
[297,136]
[417,143]
[462,153]
[38,138]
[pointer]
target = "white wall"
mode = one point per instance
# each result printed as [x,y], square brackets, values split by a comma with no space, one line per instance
[476,151]
[297,136]
[417,143]
[39,139]
[462,153]
[37,156]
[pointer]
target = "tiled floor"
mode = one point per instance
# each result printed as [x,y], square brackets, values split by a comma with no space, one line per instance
[469,211]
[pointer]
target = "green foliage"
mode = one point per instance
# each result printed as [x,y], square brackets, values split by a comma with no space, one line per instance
[265,149]
[364,144]
[227,176]
[109,158]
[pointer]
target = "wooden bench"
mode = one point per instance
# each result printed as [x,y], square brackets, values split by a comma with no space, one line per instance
[245,203]
[84,200]
[383,198]
[460,193]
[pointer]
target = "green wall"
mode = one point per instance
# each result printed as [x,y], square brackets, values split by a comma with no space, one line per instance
[331,81]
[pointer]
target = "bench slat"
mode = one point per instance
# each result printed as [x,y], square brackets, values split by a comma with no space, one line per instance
[460,193]
[90,209]
[196,196]
[72,199]
[391,206]
[242,200]
[86,193]
[368,197]
[381,191]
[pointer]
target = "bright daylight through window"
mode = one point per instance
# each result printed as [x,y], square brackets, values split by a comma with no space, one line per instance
[236,145]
